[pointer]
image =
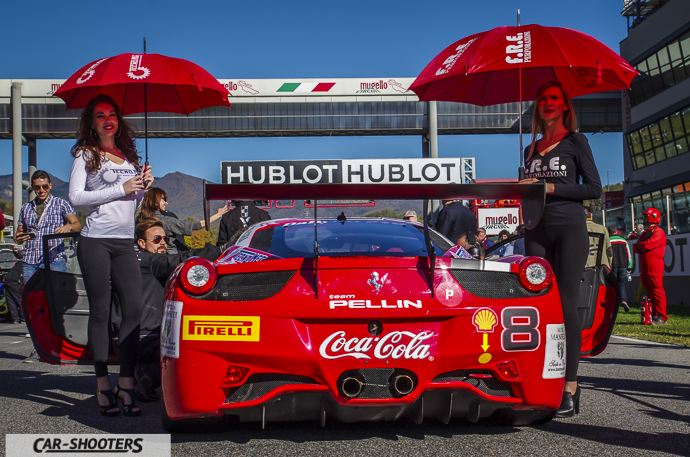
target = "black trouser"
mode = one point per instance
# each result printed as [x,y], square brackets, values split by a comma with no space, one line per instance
[14,281]
[104,261]
[565,247]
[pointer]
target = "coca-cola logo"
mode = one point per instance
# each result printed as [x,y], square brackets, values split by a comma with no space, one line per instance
[395,345]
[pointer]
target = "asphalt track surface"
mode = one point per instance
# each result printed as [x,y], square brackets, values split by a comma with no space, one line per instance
[635,402]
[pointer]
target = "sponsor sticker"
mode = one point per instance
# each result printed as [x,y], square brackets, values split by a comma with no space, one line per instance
[554,355]
[88,444]
[170,329]
[220,328]
[394,345]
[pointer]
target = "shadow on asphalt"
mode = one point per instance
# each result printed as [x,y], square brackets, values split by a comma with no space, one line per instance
[58,391]
[634,363]
[671,443]
[304,432]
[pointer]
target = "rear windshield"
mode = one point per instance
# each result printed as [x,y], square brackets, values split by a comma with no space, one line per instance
[355,237]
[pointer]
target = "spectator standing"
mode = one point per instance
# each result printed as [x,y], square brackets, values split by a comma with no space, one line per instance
[594,241]
[621,262]
[636,232]
[154,206]
[44,215]
[244,215]
[519,245]
[506,249]
[410,216]
[106,176]
[455,219]
[651,246]
[2,225]
[561,158]
[14,282]
[481,237]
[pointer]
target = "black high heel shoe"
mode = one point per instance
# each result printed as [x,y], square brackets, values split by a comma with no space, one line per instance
[128,408]
[107,410]
[570,405]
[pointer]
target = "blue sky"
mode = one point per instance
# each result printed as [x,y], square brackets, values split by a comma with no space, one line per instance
[271,39]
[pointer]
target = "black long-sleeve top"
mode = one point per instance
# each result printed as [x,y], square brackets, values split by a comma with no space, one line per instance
[570,167]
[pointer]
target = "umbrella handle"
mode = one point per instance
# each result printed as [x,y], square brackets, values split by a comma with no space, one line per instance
[146,183]
[521,173]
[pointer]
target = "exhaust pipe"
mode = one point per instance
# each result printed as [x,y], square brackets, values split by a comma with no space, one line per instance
[351,387]
[403,384]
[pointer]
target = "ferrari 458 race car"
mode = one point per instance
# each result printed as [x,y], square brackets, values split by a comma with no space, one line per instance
[357,319]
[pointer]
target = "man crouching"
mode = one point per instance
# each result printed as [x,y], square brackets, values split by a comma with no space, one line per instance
[156,267]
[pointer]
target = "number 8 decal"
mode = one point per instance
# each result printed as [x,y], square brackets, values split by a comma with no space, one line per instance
[520,329]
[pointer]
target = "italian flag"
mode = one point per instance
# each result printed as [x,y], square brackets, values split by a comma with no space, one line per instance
[306,87]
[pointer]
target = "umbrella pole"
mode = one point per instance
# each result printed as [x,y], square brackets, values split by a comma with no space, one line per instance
[146,123]
[146,132]
[521,168]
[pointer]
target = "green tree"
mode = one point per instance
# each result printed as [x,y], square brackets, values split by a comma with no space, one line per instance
[6,207]
[386,212]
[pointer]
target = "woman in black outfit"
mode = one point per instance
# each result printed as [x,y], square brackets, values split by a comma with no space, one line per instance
[561,158]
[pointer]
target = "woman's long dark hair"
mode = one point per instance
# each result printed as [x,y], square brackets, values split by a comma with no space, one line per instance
[149,204]
[87,139]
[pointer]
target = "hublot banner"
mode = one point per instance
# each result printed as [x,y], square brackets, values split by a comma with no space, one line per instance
[375,171]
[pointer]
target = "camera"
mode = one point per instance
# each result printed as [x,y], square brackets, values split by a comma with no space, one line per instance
[32,235]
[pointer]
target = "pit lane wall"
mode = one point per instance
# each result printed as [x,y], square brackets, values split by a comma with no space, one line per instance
[676,271]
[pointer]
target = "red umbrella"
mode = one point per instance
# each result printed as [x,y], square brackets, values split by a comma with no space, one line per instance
[145,82]
[488,68]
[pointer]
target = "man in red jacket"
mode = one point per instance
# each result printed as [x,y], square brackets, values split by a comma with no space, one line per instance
[651,247]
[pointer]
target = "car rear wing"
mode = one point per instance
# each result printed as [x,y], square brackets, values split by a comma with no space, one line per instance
[532,196]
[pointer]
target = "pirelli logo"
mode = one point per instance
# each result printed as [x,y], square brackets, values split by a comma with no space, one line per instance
[220,328]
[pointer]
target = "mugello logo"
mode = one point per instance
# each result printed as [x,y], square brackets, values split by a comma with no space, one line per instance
[221,328]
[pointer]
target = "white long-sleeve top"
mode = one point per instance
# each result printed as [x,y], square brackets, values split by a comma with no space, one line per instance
[112,214]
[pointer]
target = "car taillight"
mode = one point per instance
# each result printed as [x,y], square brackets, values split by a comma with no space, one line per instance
[198,276]
[235,374]
[535,274]
[508,369]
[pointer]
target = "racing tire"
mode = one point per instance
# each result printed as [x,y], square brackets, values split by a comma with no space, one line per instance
[207,425]
[507,416]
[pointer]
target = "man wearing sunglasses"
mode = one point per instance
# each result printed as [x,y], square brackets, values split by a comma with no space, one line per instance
[156,266]
[44,215]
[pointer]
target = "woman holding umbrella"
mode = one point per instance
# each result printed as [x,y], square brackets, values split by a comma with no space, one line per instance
[106,175]
[560,158]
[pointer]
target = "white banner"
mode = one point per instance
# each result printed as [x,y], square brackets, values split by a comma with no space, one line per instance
[88,444]
[360,171]
[496,219]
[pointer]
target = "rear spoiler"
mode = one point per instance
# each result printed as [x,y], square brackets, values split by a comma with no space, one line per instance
[532,196]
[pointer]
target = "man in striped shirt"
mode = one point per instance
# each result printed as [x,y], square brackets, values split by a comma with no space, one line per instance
[44,215]
[621,262]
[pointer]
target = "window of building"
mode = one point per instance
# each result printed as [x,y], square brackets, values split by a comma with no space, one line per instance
[679,210]
[660,140]
[662,69]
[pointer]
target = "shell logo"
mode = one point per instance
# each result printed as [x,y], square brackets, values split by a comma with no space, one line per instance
[485,320]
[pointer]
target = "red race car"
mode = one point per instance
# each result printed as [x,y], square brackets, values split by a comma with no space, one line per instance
[357,319]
